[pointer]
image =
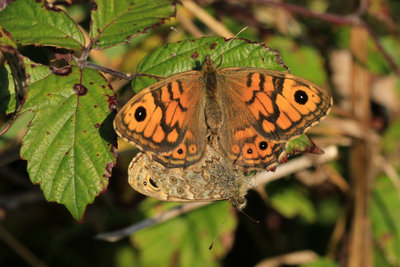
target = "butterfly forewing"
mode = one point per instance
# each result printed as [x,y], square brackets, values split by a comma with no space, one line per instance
[263,108]
[167,118]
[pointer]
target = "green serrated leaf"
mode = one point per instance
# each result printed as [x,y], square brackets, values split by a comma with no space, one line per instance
[117,21]
[67,147]
[385,219]
[40,23]
[185,240]
[190,54]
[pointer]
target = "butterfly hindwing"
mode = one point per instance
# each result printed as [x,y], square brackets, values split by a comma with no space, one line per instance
[211,178]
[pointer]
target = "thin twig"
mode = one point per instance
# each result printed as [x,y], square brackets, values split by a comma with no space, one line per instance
[162,217]
[337,179]
[282,170]
[337,235]
[125,76]
[381,49]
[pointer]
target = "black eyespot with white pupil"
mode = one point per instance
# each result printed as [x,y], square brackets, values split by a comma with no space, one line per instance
[263,145]
[180,151]
[249,151]
[301,97]
[153,183]
[140,114]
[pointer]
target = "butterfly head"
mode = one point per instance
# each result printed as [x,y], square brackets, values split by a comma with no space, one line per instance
[238,202]
[208,64]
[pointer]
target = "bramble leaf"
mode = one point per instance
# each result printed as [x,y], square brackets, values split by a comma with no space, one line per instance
[40,23]
[117,21]
[190,54]
[68,146]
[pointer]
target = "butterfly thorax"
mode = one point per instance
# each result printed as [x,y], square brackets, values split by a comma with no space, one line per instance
[208,65]
[212,109]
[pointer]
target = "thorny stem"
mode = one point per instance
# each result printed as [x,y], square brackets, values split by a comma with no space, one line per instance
[83,63]
[125,76]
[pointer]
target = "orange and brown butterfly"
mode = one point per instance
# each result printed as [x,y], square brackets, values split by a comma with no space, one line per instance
[251,112]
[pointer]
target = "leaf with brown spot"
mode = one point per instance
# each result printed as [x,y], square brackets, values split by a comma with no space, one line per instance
[67,155]
[117,21]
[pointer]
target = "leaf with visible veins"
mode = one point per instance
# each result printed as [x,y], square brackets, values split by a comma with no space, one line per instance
[40,23]
[117,21]
[70,143]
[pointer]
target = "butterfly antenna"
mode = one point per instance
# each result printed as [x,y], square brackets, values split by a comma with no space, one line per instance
[251,184]
[220,228]
[242,30]
[236,35]
[248,217]
[230,40]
